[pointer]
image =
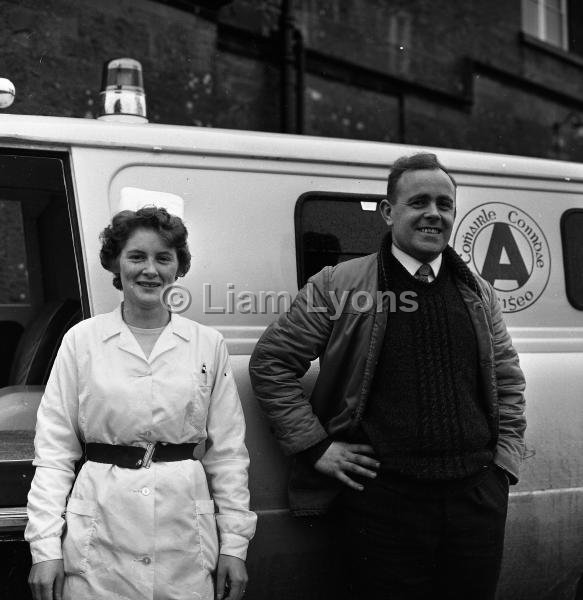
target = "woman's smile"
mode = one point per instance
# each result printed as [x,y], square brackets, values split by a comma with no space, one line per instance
[147,264]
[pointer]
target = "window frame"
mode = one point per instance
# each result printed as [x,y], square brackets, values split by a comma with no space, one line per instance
[542,32]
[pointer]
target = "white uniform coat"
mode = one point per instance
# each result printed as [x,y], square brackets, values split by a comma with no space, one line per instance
[145,533]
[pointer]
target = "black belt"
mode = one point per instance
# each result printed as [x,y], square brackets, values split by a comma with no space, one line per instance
[136,457]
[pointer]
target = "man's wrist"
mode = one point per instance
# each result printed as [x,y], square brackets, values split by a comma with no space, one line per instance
[312,454]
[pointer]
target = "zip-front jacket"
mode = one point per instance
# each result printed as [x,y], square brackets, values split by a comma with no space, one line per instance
[348,342]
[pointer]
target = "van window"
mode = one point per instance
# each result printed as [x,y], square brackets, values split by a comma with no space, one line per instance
[571,235]
[332,228]
[14,288]
[40,294]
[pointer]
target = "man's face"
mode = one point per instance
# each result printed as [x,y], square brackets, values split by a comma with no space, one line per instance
[423,214]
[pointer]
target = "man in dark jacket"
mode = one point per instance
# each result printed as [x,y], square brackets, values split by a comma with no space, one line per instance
[415,426]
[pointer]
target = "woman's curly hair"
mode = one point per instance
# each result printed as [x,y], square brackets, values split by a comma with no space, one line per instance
[169,227]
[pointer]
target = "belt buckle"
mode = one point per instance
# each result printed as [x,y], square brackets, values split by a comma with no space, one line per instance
[148,455]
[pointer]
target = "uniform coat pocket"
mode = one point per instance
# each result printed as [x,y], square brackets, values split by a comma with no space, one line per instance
[80,520]
[207,533]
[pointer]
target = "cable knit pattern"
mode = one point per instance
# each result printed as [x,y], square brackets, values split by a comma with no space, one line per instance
[425,417]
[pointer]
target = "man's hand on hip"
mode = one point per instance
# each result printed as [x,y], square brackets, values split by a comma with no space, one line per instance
[341,460]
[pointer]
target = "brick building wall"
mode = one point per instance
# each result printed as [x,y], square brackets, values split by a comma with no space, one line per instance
[439,73]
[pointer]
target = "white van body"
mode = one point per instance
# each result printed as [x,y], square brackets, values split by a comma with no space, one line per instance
[243,194]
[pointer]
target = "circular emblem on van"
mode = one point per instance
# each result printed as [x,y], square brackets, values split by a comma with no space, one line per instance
[506,247]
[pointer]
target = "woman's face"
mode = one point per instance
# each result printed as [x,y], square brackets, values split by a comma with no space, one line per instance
[146,265]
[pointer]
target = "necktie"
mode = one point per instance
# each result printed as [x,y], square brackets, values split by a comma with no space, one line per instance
[423,273]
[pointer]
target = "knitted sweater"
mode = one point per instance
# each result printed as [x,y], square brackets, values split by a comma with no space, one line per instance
[425,417]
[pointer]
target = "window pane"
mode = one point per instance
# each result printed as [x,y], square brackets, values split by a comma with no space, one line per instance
[530,20]
[554,32]
[553,4]
[13,272]
[572,237]
[332,228]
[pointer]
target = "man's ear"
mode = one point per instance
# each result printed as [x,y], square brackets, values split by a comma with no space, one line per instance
[385,209]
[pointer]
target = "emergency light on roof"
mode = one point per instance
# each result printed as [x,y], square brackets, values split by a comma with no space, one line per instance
[122,96]
[7,92]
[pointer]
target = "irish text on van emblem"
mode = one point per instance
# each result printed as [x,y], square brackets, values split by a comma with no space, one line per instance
[507,248]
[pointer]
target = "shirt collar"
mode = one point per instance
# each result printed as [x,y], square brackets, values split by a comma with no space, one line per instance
[412,264]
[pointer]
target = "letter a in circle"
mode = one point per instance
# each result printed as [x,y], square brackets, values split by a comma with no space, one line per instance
[512,270]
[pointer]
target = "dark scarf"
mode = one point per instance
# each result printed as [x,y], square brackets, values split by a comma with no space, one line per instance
[450,256]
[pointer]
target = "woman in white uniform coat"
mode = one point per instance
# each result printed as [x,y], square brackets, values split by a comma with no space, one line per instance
[136,390]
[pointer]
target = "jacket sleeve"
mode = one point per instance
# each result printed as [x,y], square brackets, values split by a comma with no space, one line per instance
[57,448]
[510,385]
[226,461]
[283,355]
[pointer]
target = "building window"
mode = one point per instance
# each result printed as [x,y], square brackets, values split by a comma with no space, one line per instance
[546,20]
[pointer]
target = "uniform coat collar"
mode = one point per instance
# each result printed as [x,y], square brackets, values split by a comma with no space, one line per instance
[114,325]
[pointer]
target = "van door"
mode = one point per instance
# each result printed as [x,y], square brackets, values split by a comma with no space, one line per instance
[41,297]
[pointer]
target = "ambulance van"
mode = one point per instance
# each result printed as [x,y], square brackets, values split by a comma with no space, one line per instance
[264,212]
